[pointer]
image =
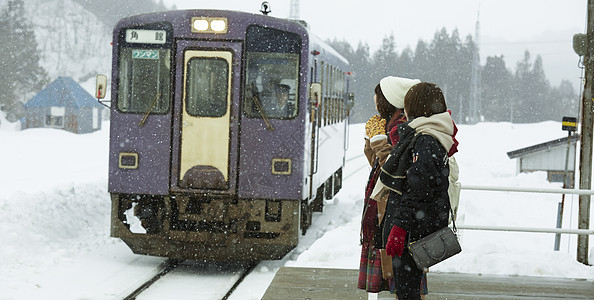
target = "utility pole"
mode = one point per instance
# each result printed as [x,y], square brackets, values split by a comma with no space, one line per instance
[294,11]
[475,78]
[586,140]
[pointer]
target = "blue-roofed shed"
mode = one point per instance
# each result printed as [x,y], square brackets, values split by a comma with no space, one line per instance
[66,105]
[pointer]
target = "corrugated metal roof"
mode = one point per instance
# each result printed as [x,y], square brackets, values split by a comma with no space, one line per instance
[63,92]
[542,147]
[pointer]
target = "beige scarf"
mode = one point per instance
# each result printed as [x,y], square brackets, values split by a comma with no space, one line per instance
[440,126]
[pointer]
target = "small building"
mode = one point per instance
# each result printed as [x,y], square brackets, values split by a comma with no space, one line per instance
[64,104]
[549,157]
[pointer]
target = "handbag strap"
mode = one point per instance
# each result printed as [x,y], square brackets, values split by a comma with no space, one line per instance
[453,222]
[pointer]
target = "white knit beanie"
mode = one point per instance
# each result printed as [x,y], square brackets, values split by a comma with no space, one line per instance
[395,88]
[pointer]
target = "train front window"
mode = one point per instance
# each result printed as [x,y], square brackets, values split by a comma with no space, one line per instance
[144,80]
[207,86]
[272,73]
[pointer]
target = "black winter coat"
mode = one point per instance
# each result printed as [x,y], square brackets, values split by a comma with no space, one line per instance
[417,175]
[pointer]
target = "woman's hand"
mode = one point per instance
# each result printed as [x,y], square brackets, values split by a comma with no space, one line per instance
[395,245]
[374,126]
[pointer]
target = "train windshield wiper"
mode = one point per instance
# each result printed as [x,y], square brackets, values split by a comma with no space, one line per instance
[256,100]
[150,108]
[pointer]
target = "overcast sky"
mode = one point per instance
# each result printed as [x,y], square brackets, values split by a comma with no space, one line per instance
[507,27]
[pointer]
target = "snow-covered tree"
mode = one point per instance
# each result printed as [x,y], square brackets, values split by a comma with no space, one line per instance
[22,75]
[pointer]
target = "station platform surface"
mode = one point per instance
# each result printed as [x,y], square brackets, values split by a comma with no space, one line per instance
[319,283]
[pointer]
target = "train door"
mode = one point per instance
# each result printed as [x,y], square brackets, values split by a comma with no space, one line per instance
[315,95]
[207,127]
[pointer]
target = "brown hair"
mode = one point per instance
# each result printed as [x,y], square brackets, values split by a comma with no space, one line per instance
[385,109]
[424,100]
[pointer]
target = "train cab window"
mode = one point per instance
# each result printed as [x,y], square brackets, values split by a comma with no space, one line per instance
[271,86]
[144,80]
[272,73]
[207,86]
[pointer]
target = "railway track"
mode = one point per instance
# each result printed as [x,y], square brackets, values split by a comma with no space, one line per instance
[195,272]
[165,268]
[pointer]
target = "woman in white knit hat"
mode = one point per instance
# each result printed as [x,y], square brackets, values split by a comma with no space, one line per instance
[380,135]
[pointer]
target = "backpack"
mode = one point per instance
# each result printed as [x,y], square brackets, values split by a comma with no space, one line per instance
[454,187]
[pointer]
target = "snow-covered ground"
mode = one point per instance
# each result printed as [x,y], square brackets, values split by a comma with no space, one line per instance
[54,216]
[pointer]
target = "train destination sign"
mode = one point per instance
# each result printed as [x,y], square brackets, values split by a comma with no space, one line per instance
[145,36]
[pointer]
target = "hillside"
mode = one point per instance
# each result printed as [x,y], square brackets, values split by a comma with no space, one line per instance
[72,41]
[74,36]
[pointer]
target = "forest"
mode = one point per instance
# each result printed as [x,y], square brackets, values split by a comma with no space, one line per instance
[522,95]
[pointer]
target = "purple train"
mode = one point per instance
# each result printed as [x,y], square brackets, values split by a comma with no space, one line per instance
[228,130]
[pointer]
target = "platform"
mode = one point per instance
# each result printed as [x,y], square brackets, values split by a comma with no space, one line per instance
[326,284]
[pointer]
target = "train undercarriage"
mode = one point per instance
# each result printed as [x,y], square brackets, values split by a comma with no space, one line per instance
[211,228]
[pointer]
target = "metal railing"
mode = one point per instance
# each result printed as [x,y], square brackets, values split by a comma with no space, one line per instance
[527,190]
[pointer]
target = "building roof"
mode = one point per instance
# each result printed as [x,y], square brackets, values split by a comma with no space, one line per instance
[63,92]
[542,147]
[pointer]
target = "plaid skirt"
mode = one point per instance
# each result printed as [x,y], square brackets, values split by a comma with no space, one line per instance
[370,273]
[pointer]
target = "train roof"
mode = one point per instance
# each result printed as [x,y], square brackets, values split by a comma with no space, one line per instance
[315,39]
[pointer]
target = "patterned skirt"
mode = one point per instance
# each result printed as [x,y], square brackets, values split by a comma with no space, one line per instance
[370,274]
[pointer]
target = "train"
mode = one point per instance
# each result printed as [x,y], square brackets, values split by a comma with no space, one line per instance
[227,131]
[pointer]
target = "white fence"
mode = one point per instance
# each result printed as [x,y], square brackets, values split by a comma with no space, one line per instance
[527,190]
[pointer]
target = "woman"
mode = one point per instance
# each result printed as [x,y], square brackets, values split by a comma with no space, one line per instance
[416,173]
[389,103]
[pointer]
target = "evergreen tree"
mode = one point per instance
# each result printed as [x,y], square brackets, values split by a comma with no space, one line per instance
[450,64]
[540,93]
[404,64]
[463,77]
[531,97]
[422,65]
[567,101]
[363,84]
[442,52]
[496,91]
[22,75]
[384,59]
[521,95]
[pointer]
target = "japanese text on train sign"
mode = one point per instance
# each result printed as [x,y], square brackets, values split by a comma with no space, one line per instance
[145,54]
[144,36]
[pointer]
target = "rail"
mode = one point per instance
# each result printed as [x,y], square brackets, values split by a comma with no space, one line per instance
[527,190]
[510,189]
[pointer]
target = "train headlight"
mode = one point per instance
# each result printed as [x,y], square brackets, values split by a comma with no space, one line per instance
[200,25]
[209,25]
[218,25]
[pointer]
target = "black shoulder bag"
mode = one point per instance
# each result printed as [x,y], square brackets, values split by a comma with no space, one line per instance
[435,247]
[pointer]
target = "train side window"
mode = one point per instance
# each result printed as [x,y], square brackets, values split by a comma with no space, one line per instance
[207,87]
[144,80]
[322,93]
